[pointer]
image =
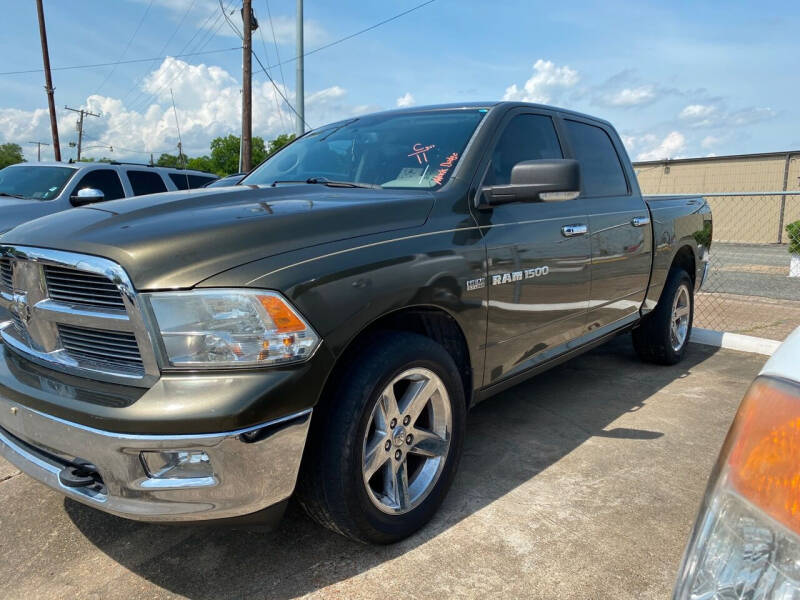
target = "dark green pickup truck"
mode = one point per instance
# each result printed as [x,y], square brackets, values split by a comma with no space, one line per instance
[321,329]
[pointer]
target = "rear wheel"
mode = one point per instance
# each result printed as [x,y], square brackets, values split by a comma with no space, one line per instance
[385,450]
[664,333]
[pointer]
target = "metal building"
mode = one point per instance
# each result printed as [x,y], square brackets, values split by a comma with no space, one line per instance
[744,219]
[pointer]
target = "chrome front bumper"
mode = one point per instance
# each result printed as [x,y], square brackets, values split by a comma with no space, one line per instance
[250,470]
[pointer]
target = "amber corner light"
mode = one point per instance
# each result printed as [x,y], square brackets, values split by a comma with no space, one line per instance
[764,461]
[286,321]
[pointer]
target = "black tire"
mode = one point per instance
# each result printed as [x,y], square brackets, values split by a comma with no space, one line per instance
[652,339]
[331,485]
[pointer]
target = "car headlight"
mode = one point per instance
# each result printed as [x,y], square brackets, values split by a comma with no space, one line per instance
[746,543]
[230,328]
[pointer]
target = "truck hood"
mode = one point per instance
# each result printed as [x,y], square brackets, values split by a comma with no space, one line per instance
[178,239]
[14,211]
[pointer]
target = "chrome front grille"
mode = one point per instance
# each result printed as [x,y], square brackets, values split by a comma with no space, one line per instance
[75,313]
[118,350]
[6,283]
[80,288]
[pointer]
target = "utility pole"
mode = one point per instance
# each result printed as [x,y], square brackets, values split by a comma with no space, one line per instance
[39,149]
[300,101]
[48,81]
[83,113]
[249,24]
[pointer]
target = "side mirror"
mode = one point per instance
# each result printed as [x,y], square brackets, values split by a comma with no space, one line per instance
[87,196]
[547,180]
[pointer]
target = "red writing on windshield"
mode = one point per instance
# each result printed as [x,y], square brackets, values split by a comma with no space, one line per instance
[449,162]
[421,152]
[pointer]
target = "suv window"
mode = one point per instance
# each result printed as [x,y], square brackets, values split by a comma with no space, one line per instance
[601,170]
[526,137]
[105,180]
[146,182]
[194,181]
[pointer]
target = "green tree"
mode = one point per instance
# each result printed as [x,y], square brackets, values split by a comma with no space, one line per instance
[201,163]
[172,160]
[225,154]
[280,141]
[10,154]
[100,160]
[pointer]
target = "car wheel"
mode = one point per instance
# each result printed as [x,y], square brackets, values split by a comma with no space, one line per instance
[663,335]
[385,446]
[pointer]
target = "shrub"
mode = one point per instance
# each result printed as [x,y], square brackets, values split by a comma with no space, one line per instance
[793,230]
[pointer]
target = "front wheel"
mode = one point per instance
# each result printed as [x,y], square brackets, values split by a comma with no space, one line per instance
[385,450]
[663,335]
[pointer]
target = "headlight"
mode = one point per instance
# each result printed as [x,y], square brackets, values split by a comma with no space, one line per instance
[230,328]
[746,542]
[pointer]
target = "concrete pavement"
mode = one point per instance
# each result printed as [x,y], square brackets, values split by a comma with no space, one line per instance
[581,483]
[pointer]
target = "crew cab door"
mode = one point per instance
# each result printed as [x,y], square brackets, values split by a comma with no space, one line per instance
[619,223]
[537,255]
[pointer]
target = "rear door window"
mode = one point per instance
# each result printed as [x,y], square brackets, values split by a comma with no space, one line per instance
[183,181]
[601,170]
[105,180]
[146,182]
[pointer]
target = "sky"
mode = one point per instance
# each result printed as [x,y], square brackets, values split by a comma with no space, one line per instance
[677,79]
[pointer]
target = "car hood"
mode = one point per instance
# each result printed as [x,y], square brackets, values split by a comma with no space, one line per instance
[14,211]
[178,239]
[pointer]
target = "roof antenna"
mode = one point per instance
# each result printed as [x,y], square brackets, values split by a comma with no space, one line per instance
[180,141]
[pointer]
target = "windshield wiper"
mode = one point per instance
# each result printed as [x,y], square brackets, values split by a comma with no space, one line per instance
[328,182]
[18,196]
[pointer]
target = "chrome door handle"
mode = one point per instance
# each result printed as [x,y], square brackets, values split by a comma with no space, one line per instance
[640,221]
[573,230]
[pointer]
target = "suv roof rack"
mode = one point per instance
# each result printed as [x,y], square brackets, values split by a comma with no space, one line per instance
[125,162]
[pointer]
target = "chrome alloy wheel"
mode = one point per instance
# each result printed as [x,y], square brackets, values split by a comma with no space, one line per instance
[406,441]
[679,324]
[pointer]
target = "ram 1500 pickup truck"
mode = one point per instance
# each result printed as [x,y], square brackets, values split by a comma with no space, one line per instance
[321,329]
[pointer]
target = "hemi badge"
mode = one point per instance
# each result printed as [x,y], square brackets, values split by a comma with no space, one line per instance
[476,284]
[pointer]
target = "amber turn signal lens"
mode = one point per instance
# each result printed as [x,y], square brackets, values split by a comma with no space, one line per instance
[285,320]
[764,460]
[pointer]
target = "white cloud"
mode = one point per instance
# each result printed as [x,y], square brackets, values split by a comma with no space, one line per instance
[547,81]
[632,96]
[713,115]
[748,116]
[710,141]
[669,147]
[208,103]
[628,141]
[405,100]
[206,14]
[697,111]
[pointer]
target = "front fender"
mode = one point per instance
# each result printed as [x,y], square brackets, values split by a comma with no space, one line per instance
[342,290]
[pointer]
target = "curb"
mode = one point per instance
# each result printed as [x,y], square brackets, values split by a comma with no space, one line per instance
[734,341]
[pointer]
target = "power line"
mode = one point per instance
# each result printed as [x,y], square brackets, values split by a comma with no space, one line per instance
[266,57]
[264,70]
[125,51]
[39,149]
[122,62]
[163,48]
[275,41]
[212,31]
[277,89]
[357,33]
[83,113]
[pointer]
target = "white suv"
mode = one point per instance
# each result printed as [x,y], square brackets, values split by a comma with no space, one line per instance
[32,190]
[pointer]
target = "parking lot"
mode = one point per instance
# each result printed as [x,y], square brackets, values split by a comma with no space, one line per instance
[581,483]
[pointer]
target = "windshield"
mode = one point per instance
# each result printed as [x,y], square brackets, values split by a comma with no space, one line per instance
[225,181]
[405,150]
[34,182]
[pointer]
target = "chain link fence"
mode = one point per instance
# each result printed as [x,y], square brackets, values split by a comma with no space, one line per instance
[753,281]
